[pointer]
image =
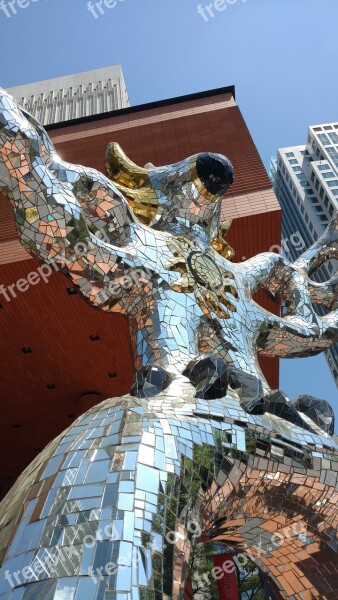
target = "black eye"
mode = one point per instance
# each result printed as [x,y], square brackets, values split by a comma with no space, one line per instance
[215,172]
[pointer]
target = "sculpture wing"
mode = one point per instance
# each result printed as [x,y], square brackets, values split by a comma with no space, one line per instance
[67,214]
[301,331]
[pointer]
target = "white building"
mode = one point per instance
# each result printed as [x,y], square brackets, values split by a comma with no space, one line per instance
[305,180]
[74,96]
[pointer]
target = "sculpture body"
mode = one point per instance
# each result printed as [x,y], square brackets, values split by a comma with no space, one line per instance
[202,438]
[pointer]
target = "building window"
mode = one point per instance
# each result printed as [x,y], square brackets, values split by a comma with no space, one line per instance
[324,139]
[296,169]
[333,183]
[335,192]
[328,175]
[327,127]
[331,210]
[312,176]
[323,167]
[326,202]
[334,137]
[317,129]
[289,154]
[323,218]
[293,161]
[321,192]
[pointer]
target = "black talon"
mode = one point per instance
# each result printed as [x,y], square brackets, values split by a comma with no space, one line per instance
[150,381]
[209,374]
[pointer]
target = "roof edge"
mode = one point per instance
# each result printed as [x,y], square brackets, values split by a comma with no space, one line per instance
[230,89]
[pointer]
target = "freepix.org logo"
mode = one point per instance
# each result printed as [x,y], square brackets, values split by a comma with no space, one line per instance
[11,7]
[210,10]
[98,9]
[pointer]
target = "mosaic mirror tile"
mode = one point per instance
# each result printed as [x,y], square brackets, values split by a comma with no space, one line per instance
[201,449]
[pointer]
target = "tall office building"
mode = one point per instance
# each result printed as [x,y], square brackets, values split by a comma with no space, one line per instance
[305,180]
[74,96]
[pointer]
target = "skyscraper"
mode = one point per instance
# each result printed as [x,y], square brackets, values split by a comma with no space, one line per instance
[74,96]
[305,180]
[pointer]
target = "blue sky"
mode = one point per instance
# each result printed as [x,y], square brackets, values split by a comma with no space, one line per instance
[280,54]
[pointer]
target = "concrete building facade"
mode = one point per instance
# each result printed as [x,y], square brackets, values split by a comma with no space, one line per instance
[74,96]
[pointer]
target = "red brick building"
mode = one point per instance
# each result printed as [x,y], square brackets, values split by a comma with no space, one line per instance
[47,375]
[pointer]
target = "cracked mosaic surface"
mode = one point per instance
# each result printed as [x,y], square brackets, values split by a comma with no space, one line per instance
[148,243]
